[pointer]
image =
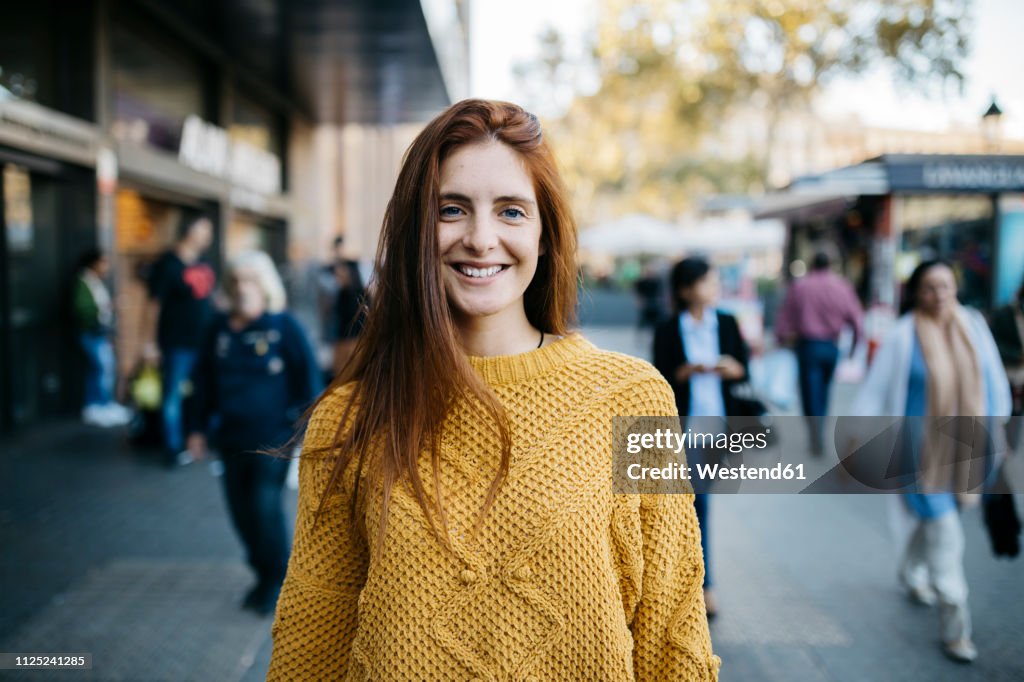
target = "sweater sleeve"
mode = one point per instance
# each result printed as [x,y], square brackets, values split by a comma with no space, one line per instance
[317,613]
[670,626]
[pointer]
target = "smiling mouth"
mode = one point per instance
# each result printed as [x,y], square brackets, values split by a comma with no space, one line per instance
[479,273]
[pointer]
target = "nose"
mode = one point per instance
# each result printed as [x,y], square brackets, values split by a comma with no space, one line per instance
[481,234]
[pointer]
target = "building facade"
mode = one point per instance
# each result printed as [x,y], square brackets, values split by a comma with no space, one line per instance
[115,115]
[888,214]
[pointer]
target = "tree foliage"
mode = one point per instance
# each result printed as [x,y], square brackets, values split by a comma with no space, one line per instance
[669,72]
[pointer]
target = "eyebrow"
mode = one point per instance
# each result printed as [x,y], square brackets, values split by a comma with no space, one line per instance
[504,199]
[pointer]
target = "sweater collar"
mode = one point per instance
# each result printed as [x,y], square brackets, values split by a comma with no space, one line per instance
[511,369]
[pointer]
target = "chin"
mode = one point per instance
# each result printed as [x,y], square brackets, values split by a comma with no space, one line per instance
[477,310]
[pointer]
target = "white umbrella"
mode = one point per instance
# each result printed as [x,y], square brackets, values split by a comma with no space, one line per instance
[632,235]
[713,235]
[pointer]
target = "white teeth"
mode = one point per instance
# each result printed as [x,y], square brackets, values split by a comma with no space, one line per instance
[479,272]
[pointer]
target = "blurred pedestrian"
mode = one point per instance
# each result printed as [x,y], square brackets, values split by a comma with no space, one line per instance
[327,290]
[814,312]
[702,355]
[254,376]
[94,319]
[460,464]
[181,285]
[938,361]
[648,295]
[349,312]
[1008,330]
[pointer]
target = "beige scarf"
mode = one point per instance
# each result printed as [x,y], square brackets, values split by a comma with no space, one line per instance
[954,390]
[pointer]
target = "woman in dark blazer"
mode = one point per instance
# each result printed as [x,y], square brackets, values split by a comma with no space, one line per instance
[701,353]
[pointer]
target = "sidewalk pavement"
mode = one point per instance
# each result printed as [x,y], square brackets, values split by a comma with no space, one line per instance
[806,586]
[106,552]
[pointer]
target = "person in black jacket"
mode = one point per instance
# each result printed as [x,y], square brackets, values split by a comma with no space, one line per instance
[349,312]
[701,353]
[255,375]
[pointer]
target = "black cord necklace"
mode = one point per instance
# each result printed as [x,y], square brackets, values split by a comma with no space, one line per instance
[541,339]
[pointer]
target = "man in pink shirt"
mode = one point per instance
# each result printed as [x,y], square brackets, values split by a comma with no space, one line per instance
[813,314]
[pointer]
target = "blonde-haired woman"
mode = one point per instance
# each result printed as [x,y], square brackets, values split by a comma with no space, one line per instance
[938,361]
[255,375]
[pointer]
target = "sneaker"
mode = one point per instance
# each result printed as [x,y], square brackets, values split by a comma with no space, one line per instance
[175,460]
[117,415]
[961,650]
[95,415]
[922,595]
[710,605]
[262,599]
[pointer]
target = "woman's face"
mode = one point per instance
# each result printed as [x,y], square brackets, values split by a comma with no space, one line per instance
[703,292]
[489,230]
[248,300]
[936,294]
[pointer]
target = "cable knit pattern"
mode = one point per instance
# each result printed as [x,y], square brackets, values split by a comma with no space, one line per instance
[565,581]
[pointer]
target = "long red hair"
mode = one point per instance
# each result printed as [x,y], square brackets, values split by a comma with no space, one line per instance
[408,366]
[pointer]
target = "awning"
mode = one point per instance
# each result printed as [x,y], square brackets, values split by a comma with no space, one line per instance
[339,61]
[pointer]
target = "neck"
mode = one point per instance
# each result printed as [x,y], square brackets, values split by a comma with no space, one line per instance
[939,315]
[186,252]
[696,312]
[498,335]
[240,320]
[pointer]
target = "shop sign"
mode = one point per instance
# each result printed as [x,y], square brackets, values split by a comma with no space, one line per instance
[208,148]
[980,175]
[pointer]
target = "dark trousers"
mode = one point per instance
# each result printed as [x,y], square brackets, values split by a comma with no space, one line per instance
[816,361]
[253,486]
[700,505]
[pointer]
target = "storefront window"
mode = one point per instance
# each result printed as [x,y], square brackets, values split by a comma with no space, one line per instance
[1010,254]
[154,89]
[145,228]
[254,124]
[250,232]
[18,208]
[42,45]
[24,54]
[958,228]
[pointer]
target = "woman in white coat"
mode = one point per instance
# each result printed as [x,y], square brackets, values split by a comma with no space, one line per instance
[939,360]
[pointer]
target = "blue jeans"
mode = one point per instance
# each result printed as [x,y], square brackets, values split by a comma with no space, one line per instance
[253,485]
[176,371]
[99,376]
[817,363]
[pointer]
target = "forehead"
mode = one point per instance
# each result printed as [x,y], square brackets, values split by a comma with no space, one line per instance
[485,170]
[940,274]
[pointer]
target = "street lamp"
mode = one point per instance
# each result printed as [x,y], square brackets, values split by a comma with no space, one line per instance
[991,126]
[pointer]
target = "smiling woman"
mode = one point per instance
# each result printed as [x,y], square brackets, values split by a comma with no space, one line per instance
[438,535]
[489,236]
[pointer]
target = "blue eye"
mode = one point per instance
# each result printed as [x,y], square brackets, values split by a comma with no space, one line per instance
[513,213]
[450,211]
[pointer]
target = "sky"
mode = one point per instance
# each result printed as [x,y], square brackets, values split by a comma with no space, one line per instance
[504,33]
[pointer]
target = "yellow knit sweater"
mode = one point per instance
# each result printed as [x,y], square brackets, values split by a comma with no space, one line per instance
[565,580]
